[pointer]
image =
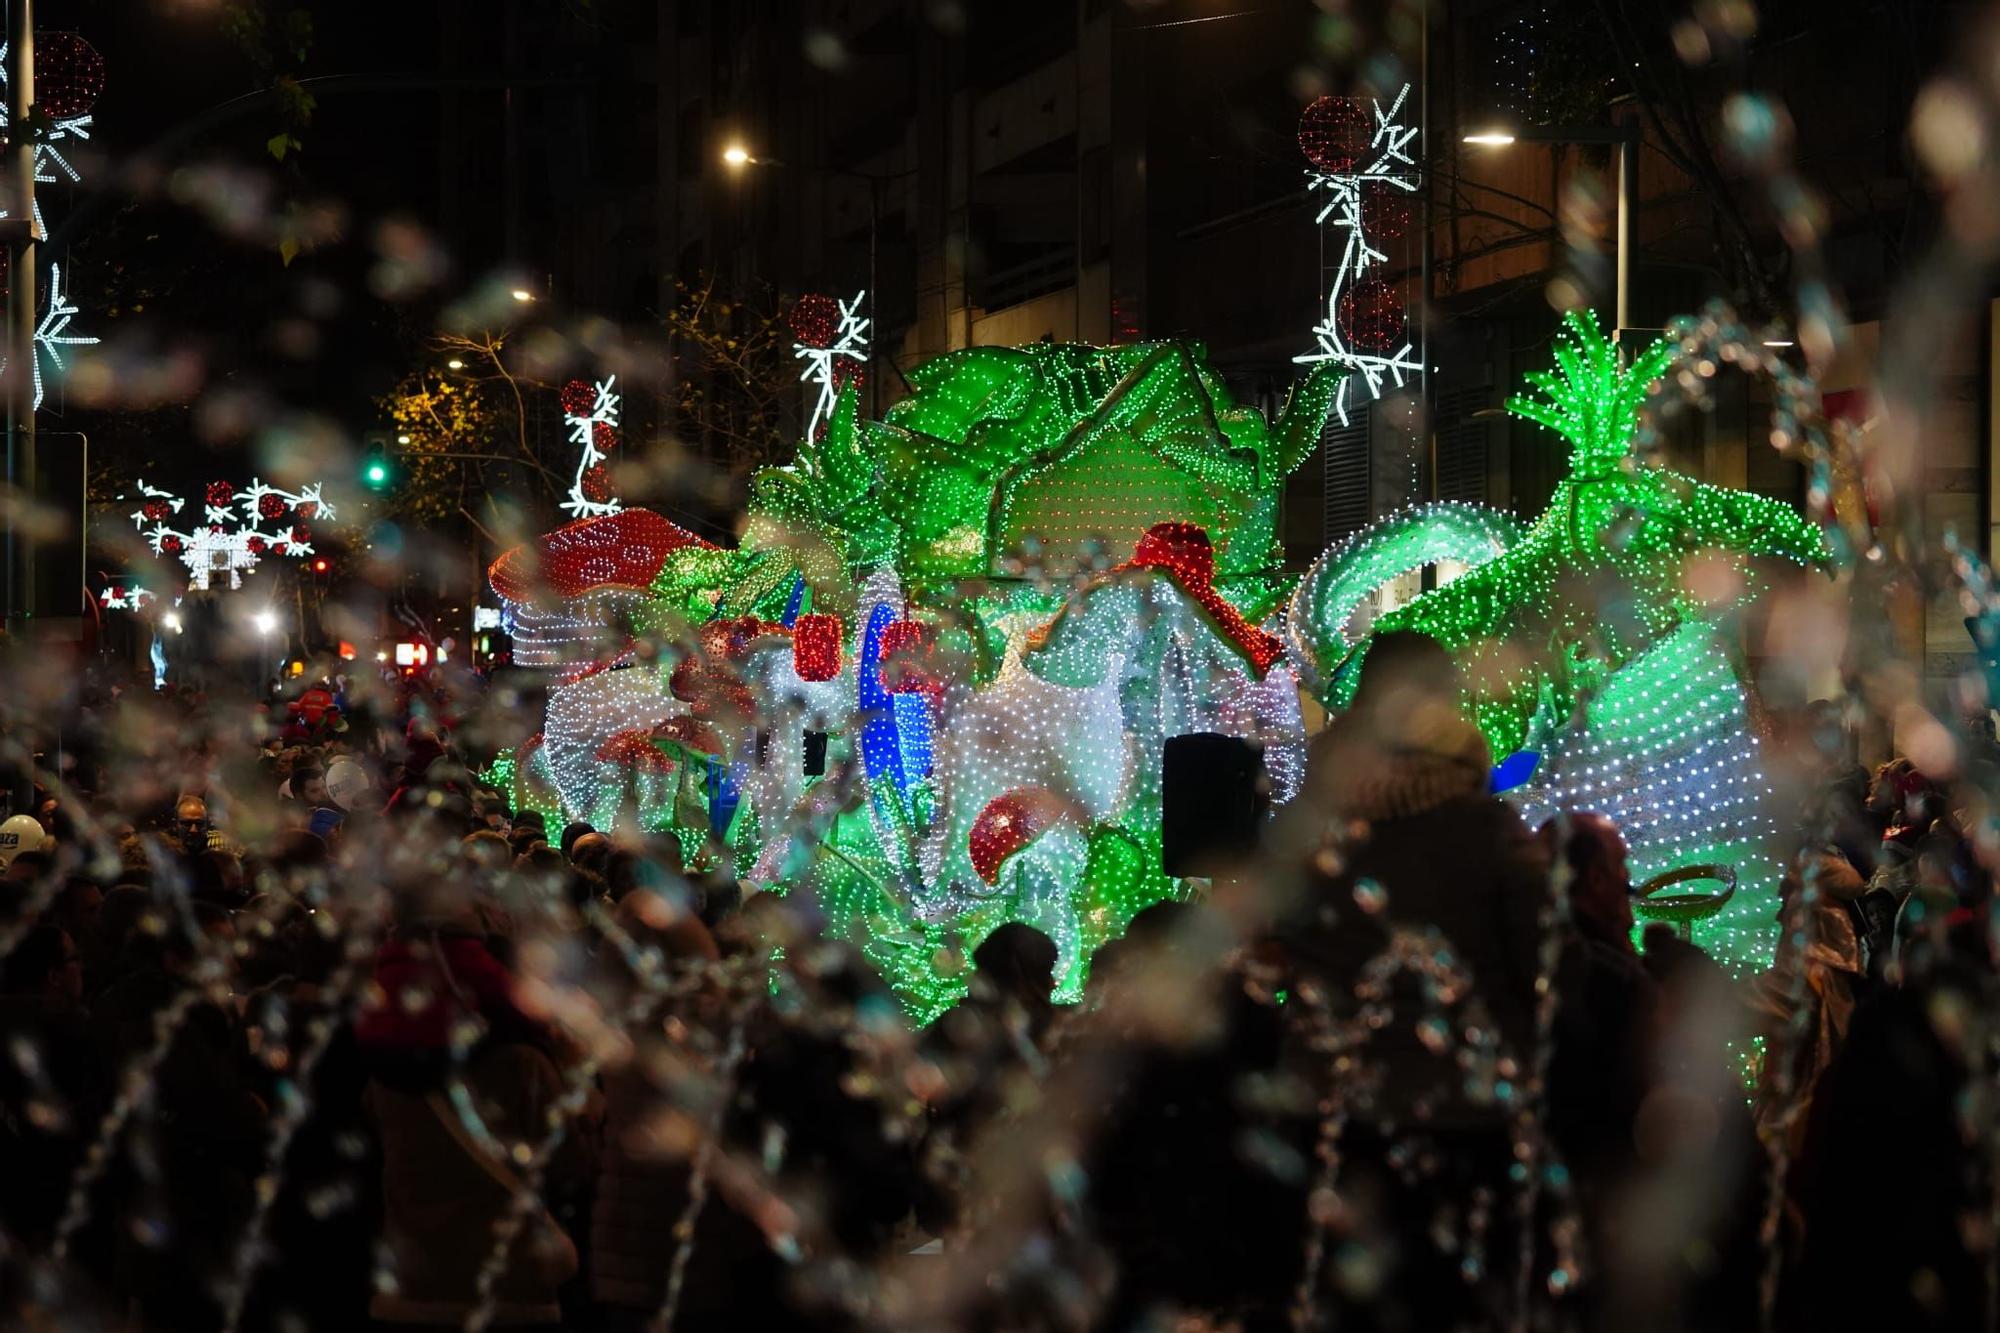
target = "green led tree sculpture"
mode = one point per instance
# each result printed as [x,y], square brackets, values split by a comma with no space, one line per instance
[1581,639]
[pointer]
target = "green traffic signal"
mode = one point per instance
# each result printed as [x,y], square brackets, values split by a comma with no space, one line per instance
[376,474]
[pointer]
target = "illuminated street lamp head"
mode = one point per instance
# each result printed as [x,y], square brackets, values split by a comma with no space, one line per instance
[1491,138]
[454,364]
[523,295]
[736,157]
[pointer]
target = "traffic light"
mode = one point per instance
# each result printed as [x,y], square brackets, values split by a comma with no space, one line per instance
[320,565]
[377,469]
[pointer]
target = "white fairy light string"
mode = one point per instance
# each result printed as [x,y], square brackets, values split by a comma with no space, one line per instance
[1390,166]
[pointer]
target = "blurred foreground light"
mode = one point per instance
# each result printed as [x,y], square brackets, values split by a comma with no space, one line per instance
[172,620]
[381,657]
[1779,342]
[264,621]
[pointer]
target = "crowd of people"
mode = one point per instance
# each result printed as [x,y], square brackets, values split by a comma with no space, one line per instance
[306,1028]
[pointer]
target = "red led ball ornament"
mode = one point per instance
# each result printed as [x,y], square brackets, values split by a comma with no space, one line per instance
[170,544]
[255,545]
[846,372]
[279,548]
[156,511]
[816,647]
[69,74]
[220,493]
[603,436]
[597,484]
[307,509]
[1371,317]
[1386,213]
[301,534]
[1334,134]
[815,320]
[578,397]
[271,506]
[1008,823]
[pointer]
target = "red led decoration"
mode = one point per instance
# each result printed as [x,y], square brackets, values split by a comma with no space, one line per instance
[301,534]
[597,484]
[604,436]
[220,493]
[271,506]
[156,511]
[815,320]
[903,644]
[816,647]
[578,397]
[847,371]
[1008,823]
[1371,317]
[624,550]
[1183,552]
[69,74]
[634,748]
[170,544]
[1386,214]
[255,545]
[1334,134]
[306,509]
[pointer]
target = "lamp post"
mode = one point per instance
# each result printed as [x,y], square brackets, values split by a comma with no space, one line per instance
[739,159]
[1626,139]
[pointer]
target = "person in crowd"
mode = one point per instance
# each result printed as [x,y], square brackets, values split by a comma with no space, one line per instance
[1423,862]
[456,1126]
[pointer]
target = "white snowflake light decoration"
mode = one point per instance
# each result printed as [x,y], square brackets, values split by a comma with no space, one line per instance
[232,536]
[125,597]
[584,432]
[850,340]
[52,335]
[1388,165]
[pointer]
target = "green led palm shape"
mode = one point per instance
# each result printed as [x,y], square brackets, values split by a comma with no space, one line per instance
[1598,577]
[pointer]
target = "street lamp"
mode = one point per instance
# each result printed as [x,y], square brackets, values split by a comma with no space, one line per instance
[1626,139]
[737,156]
[523,295]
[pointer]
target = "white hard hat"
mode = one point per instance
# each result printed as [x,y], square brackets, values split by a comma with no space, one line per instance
[22,833]
[346,781]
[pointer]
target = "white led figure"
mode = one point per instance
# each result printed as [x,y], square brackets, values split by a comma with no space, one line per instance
[51,335]
[583,434]
[125,597]
[850,340]
[1389,166]
[231,537]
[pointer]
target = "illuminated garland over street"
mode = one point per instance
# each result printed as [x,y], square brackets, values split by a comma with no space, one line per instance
[237,529]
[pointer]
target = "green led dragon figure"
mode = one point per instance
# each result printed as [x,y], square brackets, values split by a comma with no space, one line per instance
[1585,643]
